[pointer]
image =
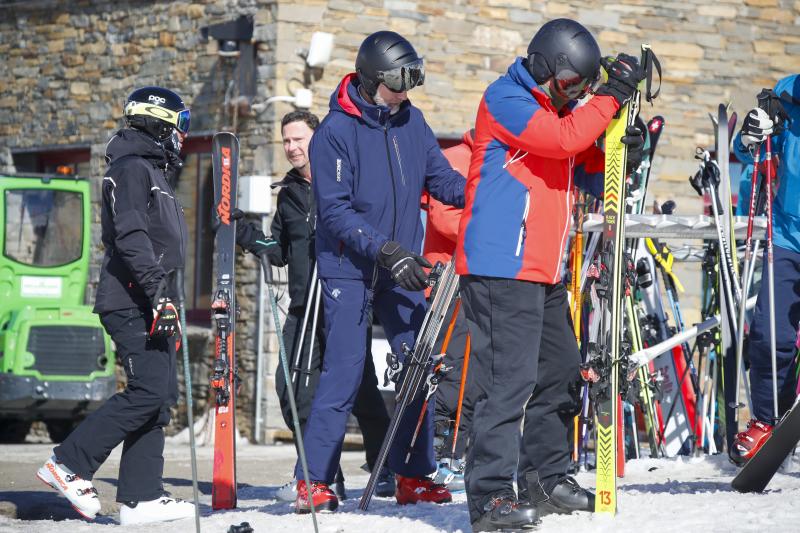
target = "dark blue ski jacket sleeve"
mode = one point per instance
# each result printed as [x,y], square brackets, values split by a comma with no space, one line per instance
[444,182]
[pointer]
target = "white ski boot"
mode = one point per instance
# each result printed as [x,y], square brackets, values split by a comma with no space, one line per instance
[81,493]
[287,492]
[162,509]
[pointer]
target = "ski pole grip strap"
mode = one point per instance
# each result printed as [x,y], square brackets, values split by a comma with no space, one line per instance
[649,61]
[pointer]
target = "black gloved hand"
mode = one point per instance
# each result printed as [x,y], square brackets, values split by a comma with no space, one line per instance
[406,267]
[236,214]
[165,315]
[634,139]
[624,75]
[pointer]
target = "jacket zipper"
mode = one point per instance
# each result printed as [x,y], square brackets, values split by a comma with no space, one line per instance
[523,226]
[391,174]
[399,160]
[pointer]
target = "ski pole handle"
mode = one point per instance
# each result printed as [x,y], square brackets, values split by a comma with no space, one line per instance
[265,266]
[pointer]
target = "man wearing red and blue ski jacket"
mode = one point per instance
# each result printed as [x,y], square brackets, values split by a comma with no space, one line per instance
[786,265]
[526,160]
[533,144]
[371,158]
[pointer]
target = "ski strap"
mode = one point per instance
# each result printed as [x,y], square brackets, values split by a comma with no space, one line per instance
[665,259]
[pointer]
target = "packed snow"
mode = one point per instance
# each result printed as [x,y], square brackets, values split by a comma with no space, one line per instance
[665,495]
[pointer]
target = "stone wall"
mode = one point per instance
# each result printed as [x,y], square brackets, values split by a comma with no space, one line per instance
[67,68]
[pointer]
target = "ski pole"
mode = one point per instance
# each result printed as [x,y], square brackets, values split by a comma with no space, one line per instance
[310,292]
[301,451]
[187,377]
[467,348]
[433,381]
[317,298]
[644,356]
[746,274]
[771,285]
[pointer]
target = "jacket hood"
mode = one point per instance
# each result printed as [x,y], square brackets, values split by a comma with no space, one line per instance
[788,89]
[519,73]
[346,99]
[129,141]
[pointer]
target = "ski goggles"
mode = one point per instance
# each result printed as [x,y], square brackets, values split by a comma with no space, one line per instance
[403,78]
[179,119]
[572,85]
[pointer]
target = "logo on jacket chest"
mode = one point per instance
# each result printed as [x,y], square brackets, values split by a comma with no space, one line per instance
[338,170]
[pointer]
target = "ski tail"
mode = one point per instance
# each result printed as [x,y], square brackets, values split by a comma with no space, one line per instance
[225,158]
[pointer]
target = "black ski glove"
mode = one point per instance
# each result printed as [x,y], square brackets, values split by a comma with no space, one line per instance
[250,237]
[165,315]
[634,138]
[236,214]
[624,75]
[406,267]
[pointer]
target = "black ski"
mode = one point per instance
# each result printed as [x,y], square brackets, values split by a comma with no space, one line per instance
[759,470]
[225,159]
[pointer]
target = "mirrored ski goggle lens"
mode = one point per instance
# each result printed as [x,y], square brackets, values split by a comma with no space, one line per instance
[404,78]
[572,85]
[182,123]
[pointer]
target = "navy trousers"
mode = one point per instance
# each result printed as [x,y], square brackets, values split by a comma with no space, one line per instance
[136,417]
[347,312]
[368,409]
[787,314]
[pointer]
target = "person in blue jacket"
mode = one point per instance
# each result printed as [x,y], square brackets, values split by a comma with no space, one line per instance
[786,260]
[371,157]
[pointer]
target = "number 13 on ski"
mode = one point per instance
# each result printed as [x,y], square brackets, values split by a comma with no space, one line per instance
[613,248]
[225,160]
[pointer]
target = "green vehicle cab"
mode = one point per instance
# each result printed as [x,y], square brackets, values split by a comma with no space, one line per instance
[56,361]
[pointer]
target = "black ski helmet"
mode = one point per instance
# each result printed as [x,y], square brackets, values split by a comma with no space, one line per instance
[156,111]
[387,57]
[564,50]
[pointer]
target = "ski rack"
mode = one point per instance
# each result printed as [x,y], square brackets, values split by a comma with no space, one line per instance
[675,226]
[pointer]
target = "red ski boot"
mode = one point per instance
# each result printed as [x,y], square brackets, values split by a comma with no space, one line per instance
[325,501]
[420,489]
[748,442]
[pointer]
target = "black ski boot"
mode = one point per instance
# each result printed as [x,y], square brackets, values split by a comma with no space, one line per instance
[567,496]
[505,514]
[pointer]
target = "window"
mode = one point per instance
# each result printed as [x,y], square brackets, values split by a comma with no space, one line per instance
[195,191]
[48,161]
[43,227]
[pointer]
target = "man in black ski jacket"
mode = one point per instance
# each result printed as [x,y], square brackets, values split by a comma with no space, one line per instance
[292,244]
[144,234]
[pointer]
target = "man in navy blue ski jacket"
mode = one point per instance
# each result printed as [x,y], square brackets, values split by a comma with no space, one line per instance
[371,158]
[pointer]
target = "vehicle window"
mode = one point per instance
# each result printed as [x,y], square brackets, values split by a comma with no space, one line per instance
[43,227]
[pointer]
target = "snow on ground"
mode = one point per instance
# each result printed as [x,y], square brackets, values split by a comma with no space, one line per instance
[667,495]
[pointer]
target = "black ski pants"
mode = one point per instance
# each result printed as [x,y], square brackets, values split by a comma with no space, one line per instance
[449,387]
[135,417]
[524,361]
[369,408]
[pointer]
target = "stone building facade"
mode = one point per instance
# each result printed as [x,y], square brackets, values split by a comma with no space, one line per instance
[68,66]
